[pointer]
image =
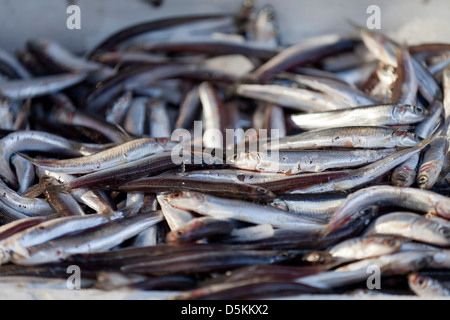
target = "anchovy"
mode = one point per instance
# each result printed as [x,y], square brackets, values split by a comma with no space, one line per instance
[433,160]
[351,96]
[58,59]
[342,180]
[26,205]
[427,287]
[294,162]
[39,86]
[411,225]
[48,230]
[347,137]
[95,240]
[294,98]
[232,175]
[315,205]
[63,204]
[25,173]
[176,218]
[365,247]
[241,210]
[94,199]
[135,30]
[200,228]
[135,118]
[222,188]
[205,261]
[378,115]
[301,54]
[160,124]
[23,141]
[116,113]
[127,152]
[409,198]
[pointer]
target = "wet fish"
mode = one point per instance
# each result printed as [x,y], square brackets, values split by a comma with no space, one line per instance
[409,198]
[241,210]
[412,226]
[378,115]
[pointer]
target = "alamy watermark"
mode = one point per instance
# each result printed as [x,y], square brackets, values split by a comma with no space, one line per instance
[74,20]
[374,280]
[210,146]
[374,20]
[74,281]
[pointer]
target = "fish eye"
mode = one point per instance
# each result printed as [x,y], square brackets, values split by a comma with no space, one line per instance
[401,177]
[422,179]
[444,231]
[419,110]
[421,282]
[366,211]
[391,242]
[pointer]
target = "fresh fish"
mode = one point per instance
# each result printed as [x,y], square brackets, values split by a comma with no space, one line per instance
[348,137]
[294,98]
[409,198]
[95,240]
[412,226]
[427,287]
[240,210]
[378,115]
[294,162]
[48,230]
[127,152]
[39,86]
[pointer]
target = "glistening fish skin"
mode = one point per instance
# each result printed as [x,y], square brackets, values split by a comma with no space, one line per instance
[347,137]
[294,162]
[241,210]
[123,153]
[410,198]
[427,287]
[95,240]
[412,226]
[378,115]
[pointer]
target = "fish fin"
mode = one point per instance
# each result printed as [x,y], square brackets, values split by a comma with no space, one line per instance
[127,135]
[433,135]
[28,158]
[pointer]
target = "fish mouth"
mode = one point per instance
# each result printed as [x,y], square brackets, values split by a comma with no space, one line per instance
[5,257]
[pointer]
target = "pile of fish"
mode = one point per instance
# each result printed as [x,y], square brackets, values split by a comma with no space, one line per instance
[354,177]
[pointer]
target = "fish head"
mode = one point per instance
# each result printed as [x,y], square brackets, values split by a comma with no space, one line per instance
[424,286]
[405,113]
[180,235]
[279,204]
[405,139]
[5,256]
[341,218]
[428,175]
[245,160]
[418,281]
[404,177]
[318,257]
[186,200]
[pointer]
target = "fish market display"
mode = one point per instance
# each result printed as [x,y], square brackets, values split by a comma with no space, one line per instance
[217,162]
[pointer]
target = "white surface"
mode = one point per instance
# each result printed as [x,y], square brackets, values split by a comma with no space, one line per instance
[413,21]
